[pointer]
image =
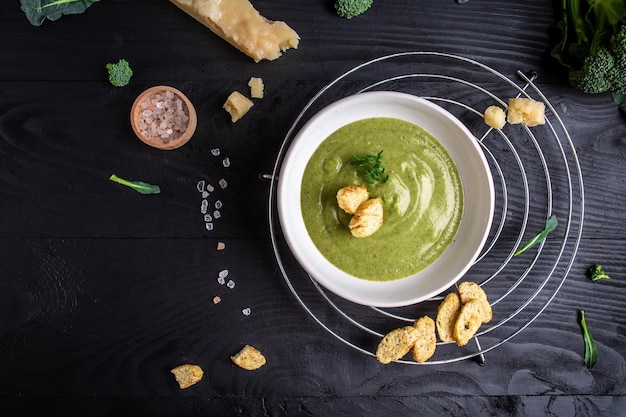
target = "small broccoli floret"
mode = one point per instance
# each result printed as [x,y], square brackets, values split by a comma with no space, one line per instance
[351,8]
[120,73]
[595,74]
[596,273]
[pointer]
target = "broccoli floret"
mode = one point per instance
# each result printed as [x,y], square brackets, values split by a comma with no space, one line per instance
[596,273]
[351,8]
[594,75]
[618,73]
[120,73]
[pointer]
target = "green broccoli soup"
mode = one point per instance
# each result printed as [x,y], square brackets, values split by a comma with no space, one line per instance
[422,199]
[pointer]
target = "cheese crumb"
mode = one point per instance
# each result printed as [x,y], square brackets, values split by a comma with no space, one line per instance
[237,105]
[495,117]
[256,87]
[526,111]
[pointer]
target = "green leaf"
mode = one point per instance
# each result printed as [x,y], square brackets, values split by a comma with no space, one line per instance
[372,168]
[591,350]
[140,187]
[551,224]
[620,100]
[37,11]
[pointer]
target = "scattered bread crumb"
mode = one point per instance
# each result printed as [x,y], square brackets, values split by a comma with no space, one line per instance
[237,105]
[187,375]
[256,87]
[495,117]
[350,197]
[367,218]
[526,111]
[249,358]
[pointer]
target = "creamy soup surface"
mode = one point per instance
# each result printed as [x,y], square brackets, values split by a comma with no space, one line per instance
[423,199]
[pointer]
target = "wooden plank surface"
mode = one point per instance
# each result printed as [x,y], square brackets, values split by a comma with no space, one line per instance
[104,290]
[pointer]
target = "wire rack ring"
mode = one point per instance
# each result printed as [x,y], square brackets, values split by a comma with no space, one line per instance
[536,175]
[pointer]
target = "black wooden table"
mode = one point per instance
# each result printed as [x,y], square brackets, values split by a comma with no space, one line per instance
[103,290]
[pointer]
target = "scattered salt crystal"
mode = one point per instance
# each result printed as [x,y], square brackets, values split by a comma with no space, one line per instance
[223,273]
[205,194]
[230,284]
[209,226]
[221,280]
[208,218]
[221,246]
[215,151]
[210,188]
[204,206]
[226,162]
[218,204]
[246,311]
[216,299]
[217,214]
[223,183]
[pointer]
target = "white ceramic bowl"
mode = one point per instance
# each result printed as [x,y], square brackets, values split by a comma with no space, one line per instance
[478,198]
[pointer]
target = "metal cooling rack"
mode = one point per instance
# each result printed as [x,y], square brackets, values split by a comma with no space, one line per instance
[536,174]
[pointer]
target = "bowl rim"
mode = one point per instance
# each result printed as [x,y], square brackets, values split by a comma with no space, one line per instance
[191,124]
[401,292]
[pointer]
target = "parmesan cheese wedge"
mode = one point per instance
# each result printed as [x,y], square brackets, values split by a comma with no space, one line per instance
[241,25]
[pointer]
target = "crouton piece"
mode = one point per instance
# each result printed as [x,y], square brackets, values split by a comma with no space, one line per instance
[249,358]
[256,87]
[426,343]
[471,291]
[495,117]
[526,111]
[471,316]
[367,219]
[447,313]
[237,105]
[397,343]
[350,197]
[187,375]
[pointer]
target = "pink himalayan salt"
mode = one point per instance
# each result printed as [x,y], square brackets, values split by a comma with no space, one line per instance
[163,117]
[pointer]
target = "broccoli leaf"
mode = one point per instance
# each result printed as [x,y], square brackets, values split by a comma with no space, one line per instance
[37,11]
[591,350]
[140,187]
[620,100]
[551,224]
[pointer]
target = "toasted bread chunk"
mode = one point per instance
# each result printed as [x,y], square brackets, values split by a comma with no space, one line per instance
[471,316]
[426,343]
[241,25]
[367,219]
[350,197]
[495,117]
[471,291]
[187,375]
[237,105]
[447,313]
[249,358]
[397,343]
[526,111]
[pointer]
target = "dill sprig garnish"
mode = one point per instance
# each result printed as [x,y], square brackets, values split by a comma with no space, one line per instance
[372,168]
